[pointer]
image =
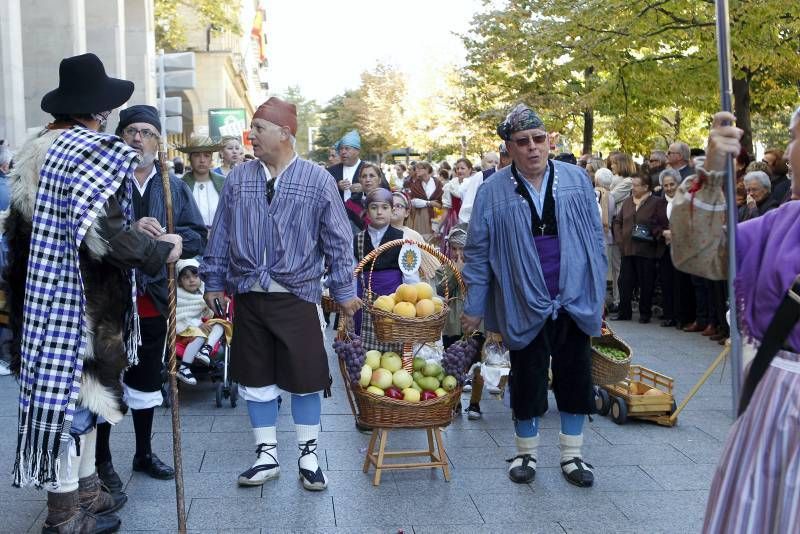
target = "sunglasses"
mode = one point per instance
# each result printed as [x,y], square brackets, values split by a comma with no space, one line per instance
[523,142]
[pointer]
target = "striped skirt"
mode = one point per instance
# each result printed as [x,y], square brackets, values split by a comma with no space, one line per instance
[756,487]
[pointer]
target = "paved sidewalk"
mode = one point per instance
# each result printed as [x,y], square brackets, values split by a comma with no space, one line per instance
[649,478]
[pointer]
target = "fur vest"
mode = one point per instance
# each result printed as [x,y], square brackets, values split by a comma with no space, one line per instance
[190,309]
[107,287]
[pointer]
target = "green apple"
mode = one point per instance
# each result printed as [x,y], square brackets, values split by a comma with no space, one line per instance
[375,391]
[414,385]
[440,392]
[417,376]
[432,369]
[366,376]
[411,395]
[440,376]
[419,363]
[373,359]
[402,379]
[429,383]
[381,378]
[391,361]
[449,383]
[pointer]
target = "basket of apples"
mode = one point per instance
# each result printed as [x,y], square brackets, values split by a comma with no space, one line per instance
[389,396]
[412,314]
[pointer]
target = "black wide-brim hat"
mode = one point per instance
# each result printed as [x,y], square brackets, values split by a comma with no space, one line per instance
[84,87]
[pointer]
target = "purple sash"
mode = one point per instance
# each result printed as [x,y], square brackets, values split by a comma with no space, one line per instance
[383,283]
[549,249]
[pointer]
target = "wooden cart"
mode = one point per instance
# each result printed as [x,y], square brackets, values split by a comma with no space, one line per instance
[635,397]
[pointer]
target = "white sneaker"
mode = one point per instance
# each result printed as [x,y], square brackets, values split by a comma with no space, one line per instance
[185,375]
[5,368]
[204,354]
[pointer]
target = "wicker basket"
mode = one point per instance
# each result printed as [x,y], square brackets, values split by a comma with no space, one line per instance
[607,370]
[392,328]
[384,412]
[329,305]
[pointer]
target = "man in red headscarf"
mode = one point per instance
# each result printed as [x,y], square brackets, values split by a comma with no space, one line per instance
[279,222]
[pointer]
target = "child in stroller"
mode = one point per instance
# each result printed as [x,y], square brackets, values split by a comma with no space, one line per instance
[195,323]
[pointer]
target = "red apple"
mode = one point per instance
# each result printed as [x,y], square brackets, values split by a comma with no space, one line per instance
[394,393]
[428,395]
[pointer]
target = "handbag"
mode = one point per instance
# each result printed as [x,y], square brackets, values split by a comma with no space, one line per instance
[781,325]
[641,232]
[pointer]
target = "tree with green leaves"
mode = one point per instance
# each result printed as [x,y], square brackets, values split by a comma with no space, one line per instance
[308,116]
[220,15]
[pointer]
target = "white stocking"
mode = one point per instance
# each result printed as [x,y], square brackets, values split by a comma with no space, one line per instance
[191,350]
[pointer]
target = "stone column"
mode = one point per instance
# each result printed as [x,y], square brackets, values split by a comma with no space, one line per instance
[12,81]
[54,29]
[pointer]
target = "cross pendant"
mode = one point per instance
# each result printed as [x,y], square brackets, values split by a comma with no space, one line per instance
[541,229]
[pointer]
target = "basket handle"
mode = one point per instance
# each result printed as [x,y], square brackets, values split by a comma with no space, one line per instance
[430,249]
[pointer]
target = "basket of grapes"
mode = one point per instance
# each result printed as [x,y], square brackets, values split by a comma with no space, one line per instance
[383,393]
[611,359]
[412,314]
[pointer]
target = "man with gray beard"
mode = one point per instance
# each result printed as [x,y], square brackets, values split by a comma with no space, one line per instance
[140,127]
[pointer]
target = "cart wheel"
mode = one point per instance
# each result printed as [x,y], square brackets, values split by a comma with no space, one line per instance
[219,395]
[234,394]
[602,402]
[619,411]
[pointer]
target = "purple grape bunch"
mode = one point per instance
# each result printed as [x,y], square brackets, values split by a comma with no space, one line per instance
[458,358]
[353,355]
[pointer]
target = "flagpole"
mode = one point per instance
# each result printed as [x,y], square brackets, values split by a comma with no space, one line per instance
[171,307]
[726,93]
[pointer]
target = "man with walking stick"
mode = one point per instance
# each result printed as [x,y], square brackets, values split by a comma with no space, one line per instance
[73,250]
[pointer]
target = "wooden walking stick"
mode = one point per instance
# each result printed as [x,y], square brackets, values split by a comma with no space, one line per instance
[171,307]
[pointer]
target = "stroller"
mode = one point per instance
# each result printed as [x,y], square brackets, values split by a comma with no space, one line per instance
[217,371]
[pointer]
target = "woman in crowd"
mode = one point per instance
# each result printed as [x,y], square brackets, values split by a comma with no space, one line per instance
[758,187]
[674,284]
[426,195]
[624,169]
[638,231]
[401,210]
[755,486]
[205,185]
[451,200]
[232,152]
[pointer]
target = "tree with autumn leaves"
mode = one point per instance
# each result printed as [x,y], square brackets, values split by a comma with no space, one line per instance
[632,72]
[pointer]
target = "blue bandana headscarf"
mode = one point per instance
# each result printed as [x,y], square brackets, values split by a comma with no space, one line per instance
[351,139]
[520,118]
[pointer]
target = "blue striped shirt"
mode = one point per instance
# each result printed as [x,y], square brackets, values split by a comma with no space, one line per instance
[290,240]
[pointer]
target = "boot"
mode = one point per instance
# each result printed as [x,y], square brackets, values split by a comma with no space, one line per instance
[574,469]
[110,478]
[95,499]
[65,516]
[523,466]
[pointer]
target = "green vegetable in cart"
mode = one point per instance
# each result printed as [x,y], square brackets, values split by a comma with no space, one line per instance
[611,352]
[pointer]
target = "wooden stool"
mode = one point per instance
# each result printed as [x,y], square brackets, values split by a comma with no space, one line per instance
[377,454]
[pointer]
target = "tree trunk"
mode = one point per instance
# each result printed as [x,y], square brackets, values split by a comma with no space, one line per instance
[741,108]
[588,131]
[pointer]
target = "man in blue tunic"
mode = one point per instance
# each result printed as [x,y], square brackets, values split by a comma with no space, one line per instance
[535,268]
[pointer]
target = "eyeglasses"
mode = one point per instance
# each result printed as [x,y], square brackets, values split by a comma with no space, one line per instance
[538,139]
[400,207]
[671,152]
[654,160]
[144,132]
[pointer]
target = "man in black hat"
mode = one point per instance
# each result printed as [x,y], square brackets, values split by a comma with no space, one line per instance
[140,127]
[73,250]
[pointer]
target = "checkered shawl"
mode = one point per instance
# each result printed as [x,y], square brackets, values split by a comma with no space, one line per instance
[81,171]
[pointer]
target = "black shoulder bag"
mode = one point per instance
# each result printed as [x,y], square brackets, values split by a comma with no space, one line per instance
[782,324]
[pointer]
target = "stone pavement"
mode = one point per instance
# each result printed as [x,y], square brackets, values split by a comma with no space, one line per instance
[649,478]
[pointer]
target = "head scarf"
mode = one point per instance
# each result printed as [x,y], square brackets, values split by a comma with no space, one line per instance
[139,113]
[278,112]
[520,118]
[457,237]
[351,139]
[380,195]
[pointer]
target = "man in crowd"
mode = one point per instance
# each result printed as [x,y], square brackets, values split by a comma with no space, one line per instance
[535,267]
[75,323]
[678,158]
[347,173]
[657,162]
[469,187]
[778,171]
[278,343]
[140,128]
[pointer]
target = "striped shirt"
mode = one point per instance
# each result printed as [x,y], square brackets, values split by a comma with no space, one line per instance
[290,240]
